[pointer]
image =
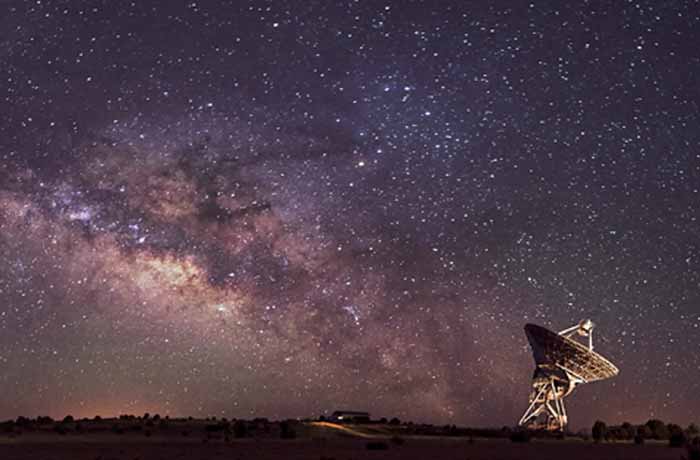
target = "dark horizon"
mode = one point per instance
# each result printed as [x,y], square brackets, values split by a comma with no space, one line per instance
[285,207]
[692,428]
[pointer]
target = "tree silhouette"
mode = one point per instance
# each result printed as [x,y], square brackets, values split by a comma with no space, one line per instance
[599,430]
[676,436]
[240,429]
[643,433]
[658,429]
[287,431]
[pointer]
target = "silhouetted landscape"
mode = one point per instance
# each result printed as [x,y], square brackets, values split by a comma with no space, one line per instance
[155,437]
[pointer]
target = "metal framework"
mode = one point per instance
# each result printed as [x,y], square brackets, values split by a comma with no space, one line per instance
[562,364]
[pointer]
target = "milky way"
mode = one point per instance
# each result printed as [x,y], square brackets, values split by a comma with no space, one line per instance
[284,208]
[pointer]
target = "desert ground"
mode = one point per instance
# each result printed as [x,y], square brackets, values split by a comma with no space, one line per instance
[338,449]
[202,440]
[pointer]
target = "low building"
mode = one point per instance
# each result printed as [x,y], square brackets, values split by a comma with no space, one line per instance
[348,416]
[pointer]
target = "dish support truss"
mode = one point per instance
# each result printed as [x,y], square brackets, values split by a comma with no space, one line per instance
[547,409]
[550,385]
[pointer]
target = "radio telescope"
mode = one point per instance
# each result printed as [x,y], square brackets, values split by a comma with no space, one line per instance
[561,364]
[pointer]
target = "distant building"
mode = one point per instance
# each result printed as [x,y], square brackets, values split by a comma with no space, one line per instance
[349,416]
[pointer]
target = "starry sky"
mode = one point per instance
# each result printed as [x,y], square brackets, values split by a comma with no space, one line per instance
[285,208]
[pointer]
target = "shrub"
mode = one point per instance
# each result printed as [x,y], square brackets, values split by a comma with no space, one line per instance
[694,449]
[658,429]
[240,429]
[677,439]
[287,431]
[599,431]
[627,431]
[23,421]
[377,445]
[644,432]
[8,427]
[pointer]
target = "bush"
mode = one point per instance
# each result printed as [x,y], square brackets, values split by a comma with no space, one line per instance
[240,429]
[677,439]
[287,431]
[8,427]
[44,420]
[658,429]
[23,422]
[377,445]
[694,449]
[644,432]
[599,431]
[627,431]
[520,436]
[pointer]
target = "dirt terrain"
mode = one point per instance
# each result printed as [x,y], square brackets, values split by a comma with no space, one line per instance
[132,448]
[134,438]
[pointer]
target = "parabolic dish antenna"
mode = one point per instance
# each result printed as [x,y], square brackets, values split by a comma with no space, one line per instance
[561,364]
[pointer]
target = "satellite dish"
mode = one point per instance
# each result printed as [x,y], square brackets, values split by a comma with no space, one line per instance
[561,364]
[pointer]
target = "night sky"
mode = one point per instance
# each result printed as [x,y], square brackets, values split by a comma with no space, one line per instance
[285,208]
